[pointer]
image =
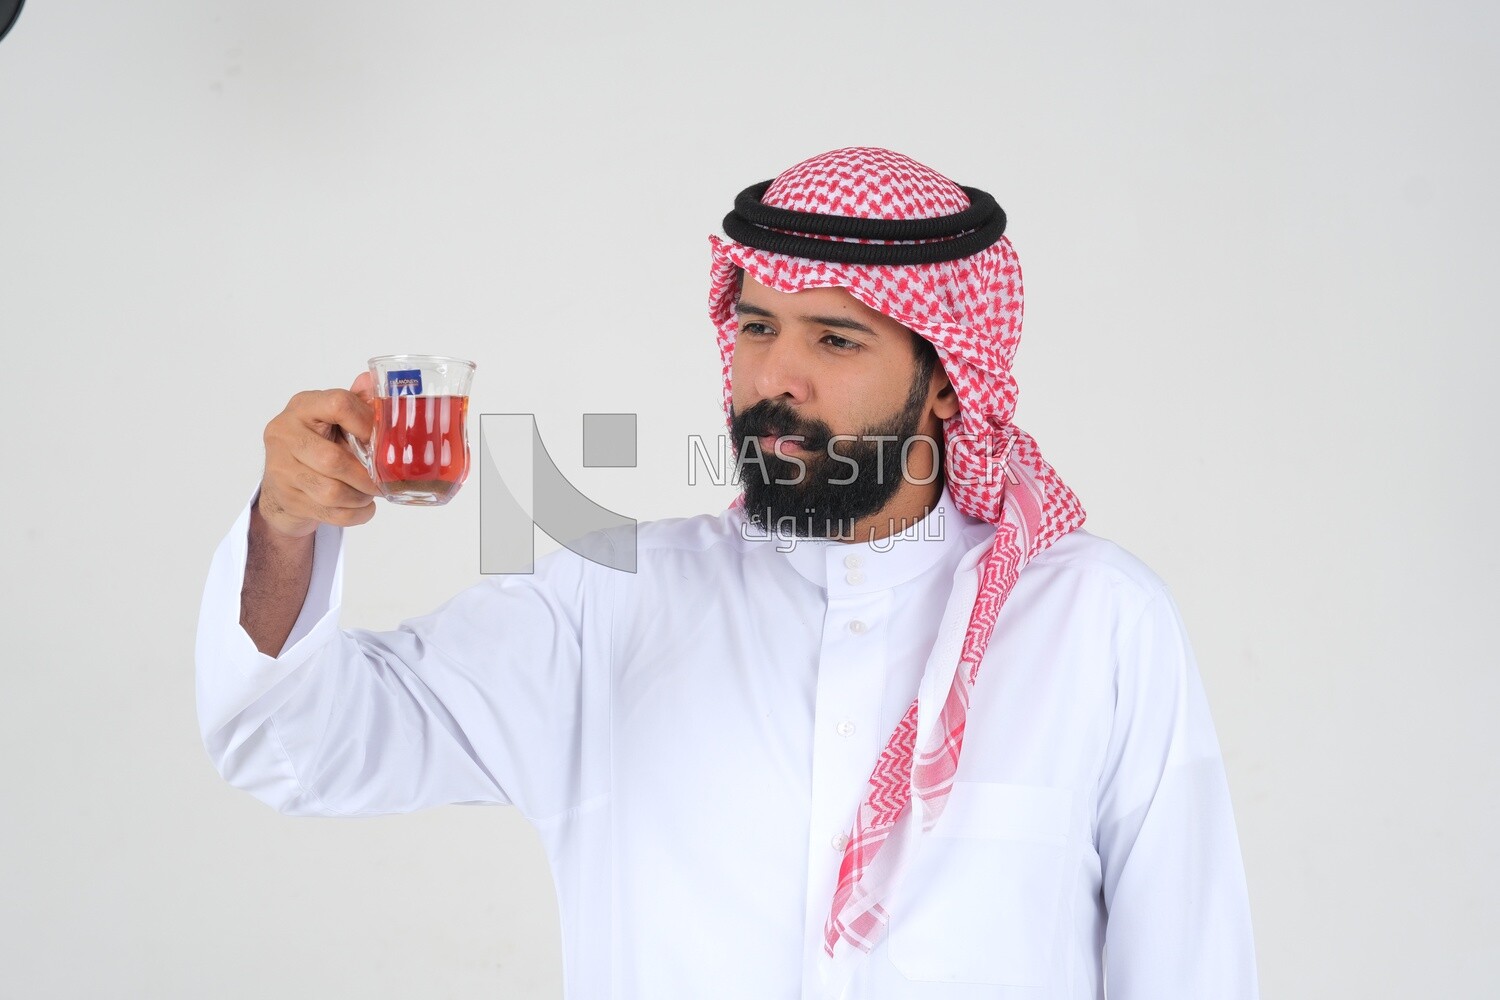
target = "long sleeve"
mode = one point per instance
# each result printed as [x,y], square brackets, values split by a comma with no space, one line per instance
[477,703]
[1178,912]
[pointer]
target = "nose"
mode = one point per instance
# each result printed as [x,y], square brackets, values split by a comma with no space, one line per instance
[777,369]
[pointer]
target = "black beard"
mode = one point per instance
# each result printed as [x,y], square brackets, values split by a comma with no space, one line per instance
[822,501]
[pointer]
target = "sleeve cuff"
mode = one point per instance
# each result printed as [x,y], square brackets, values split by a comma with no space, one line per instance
[319,617]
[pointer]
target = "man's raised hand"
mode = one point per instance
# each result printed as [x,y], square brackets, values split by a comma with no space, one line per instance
[311,474]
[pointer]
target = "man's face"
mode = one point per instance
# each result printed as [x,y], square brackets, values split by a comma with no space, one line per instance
[821,365]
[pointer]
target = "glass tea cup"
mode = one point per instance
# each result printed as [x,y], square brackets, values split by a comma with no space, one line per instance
[418,454]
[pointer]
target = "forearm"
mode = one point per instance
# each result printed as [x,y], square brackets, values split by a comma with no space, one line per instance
[358,723]
[278,570]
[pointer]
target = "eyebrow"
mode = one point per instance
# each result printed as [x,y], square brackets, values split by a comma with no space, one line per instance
[837,322]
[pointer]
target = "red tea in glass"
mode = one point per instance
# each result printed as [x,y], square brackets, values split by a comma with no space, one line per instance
[419,453]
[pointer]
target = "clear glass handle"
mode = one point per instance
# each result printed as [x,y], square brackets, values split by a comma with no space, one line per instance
[363,454]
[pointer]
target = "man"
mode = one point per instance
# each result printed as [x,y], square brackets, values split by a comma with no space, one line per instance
[893,725]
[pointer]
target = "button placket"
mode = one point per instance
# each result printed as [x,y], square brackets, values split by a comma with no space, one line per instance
[851,678]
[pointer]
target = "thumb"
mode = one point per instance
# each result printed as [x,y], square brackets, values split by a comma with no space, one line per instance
[364,387]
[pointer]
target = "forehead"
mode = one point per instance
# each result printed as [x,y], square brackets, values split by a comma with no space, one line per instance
[813,302]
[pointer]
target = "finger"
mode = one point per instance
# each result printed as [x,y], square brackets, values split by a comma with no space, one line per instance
[335,462]
[348,517]
[327,493]
[322,409]
[308,506]
[364,387]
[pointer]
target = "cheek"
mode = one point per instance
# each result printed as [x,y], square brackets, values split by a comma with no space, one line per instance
[871,396]
[741,377]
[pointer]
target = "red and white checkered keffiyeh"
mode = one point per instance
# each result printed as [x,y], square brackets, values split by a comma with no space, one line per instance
[970,310]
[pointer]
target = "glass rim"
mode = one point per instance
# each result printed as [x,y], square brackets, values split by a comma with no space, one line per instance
[430,358]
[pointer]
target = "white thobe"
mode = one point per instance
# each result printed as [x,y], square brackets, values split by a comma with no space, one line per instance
[692,741]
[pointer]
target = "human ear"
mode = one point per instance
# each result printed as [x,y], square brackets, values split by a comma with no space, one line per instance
[945,404]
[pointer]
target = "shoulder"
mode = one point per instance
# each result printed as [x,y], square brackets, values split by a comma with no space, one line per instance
[695,534]
[638,544]
[1096,575]
[664,538]
[1081,551]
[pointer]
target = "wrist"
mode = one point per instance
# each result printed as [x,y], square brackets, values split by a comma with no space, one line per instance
[278,531]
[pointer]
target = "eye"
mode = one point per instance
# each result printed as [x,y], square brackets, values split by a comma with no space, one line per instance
[840,343]
[755,329]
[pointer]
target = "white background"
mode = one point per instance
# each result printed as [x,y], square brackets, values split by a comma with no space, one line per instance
[1260,344]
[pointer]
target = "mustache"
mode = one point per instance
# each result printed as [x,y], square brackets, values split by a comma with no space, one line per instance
[761,420]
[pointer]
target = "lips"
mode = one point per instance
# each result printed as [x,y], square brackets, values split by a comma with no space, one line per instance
[769,444]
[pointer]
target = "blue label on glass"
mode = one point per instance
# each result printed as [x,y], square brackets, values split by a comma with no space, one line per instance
[407,383]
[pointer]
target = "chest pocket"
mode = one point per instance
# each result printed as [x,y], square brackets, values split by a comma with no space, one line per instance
[979,903]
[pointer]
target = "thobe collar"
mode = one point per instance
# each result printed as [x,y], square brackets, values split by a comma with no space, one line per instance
[849,569]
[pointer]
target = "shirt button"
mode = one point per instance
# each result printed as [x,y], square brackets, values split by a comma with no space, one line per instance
[858,627]
[840,842]
[853,562]
[855,577]
[845,728]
